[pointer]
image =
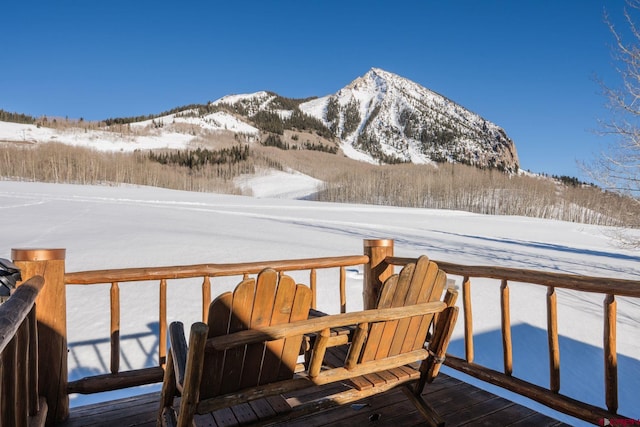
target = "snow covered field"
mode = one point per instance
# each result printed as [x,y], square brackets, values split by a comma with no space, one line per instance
[125,226]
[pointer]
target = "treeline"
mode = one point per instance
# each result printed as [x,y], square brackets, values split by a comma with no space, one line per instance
[349,113]
[195,159]
[271,121]
[275,141]
[202,109]
[6,116]
[284,103]
[569,180]
[370,144]
[59,163]
[466,188]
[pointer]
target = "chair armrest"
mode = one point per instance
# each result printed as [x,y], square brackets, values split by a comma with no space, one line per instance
[178,344]
[301,327]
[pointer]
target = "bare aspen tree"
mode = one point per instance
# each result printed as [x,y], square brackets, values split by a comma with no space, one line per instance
[617,169]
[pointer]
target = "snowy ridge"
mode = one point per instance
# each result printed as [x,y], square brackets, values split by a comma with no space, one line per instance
[216,121]
[173,131]
[252,102]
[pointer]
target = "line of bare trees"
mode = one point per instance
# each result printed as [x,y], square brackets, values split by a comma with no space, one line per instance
[61,163]
[460,187]
[447,186]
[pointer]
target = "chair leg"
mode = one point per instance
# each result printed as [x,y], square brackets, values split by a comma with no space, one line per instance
[429,414]
[438,345]
[193,374]
[167,394]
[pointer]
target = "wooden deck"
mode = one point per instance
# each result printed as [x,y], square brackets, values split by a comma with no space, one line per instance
[459,403]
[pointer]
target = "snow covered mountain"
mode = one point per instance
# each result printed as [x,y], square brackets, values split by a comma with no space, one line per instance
[379,118]
[384,118]
[391,118]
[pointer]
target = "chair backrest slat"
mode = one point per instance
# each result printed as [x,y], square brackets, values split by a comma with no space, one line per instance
[218,322]
[375,330]
[425,321]
[263,302]
[281,313]
[395,332]
[291,347]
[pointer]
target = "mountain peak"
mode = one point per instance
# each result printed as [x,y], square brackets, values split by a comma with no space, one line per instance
[392,119]
[374,71]
[382,117]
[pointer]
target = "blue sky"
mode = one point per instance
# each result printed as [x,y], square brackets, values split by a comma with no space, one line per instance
[529,66]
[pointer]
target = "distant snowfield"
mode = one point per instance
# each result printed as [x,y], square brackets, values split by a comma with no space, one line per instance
[106,227]
[279,185]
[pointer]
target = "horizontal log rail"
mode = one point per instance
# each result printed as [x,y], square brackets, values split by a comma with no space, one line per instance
[20,404]
[601,285]
[117,379]
[211,270]
[610,288]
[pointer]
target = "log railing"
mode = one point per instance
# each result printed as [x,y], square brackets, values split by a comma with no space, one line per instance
[206,272]
[378,263]
[610,289]
[20,403]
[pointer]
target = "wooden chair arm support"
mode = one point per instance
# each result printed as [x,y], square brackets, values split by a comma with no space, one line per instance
[194,365]
[309,326]
[450,297]
[438,346]
[178,345]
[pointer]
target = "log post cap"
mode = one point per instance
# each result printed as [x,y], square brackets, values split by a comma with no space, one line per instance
[38,254]
[376,243]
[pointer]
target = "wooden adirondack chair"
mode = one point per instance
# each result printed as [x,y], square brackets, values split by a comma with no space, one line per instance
[418,283]
[228,369]
[269,300]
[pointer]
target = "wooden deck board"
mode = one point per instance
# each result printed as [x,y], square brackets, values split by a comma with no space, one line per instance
[457,402]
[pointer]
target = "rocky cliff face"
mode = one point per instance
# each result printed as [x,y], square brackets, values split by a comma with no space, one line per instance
[385,117]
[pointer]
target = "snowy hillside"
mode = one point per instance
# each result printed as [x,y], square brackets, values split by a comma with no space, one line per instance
[101,140]
[172,131]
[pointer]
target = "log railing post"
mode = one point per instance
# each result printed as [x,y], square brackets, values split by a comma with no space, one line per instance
[610,354]
[115,328]
[52,325]
[313,280]
[162,326]
[376,271]
[343,290]
[206,298]
[552,337]
[507,344]
[468,319]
